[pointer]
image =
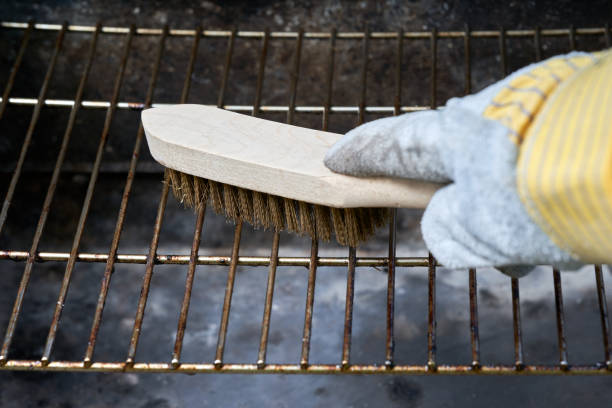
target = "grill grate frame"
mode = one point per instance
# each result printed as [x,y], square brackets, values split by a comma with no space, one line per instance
[351,261]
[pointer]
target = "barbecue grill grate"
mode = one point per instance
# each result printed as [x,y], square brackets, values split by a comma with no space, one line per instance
[326,43]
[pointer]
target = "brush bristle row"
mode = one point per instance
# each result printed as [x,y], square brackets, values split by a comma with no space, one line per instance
[350,226]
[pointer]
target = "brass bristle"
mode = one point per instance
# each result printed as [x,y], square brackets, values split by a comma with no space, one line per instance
[276,212]
[350,225]
[291,215]
[245,205]
[187,189]
[306,219]
[339,226]
[322,222]
[230,199]
[365,222]
[216,200]
[174,178]
[200,187]
[380,216]
[261,214]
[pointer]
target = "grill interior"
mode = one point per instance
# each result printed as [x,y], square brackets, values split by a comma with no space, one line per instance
[96,80]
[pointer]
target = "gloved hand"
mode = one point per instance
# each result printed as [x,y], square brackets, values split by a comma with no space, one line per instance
[511,154]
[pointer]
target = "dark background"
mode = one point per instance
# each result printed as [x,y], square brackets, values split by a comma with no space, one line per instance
[18,389]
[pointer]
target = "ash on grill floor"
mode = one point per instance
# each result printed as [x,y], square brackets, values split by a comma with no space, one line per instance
[18,389]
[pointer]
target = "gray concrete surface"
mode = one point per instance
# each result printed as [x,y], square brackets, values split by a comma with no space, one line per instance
[19,389]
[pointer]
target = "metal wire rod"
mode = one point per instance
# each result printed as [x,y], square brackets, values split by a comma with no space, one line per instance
[197,234]
[146,283]
[49,198]
[25,278]
[348,309]
[212,260]
[11,79]
[110,259]
[474,331]
[203,368]
[265,324]
[431,315]
[603,315]
[516,325]
[560,315]
[227,301]
[67,103]
[390,338]
[38,104]
[553,32]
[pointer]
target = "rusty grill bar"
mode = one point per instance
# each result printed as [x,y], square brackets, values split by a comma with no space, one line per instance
[352,261]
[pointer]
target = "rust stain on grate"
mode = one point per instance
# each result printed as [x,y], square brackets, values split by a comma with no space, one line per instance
[273,261]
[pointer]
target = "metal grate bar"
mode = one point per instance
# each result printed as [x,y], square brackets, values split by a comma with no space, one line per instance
[47,204]
[352,251]
[572,38]
[226,68]
[330,76]
[467,64]
[390,343]
[474,332]
[603,315]
[390,339]
[516,325]
[213,260]
[364,76]
[434,74]
[399,52]
[10,331]
[75,247]
[502,52]
[295,73]
[195,245]
[231,275]
[265,324]
[146,283]
[310,291]
[33,121]
[260,72]
[553,32]
[15,69]
[203,368]
[227,301]
[67,103]
[431,286]
[314,245]
[348,308]
[117,234]
[473,285]
[60,157]
[537,44]
[563,360]
[265,327]
[182,324]
[431,315]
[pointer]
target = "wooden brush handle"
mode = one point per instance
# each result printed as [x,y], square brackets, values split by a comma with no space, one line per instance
[269,157]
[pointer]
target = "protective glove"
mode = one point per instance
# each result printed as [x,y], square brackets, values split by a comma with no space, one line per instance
[528,161]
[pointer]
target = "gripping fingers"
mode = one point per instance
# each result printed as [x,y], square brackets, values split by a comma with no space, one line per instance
[405,146]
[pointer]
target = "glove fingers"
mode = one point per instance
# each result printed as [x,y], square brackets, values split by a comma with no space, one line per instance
[405,146]
[474,224]
[444,232]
